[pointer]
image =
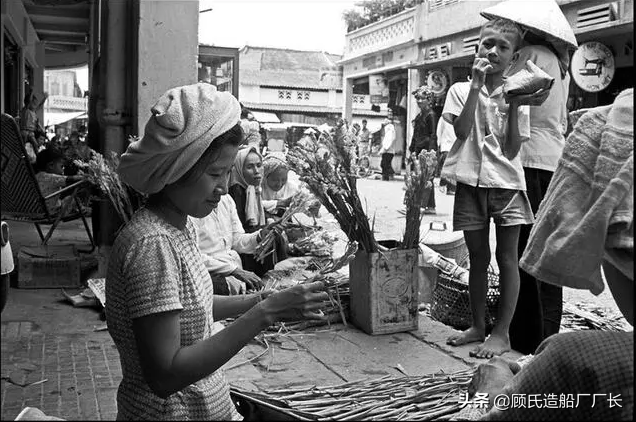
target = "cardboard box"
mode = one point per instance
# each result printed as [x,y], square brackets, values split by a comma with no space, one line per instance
[48,267]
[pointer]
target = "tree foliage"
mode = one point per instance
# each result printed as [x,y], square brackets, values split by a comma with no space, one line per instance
[373,11]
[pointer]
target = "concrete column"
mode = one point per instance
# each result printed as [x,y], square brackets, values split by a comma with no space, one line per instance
[347,94]
[2,76]
[167,51]
[38,77]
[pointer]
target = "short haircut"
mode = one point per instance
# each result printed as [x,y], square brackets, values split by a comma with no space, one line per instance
[505,26]
[364,120]
[47,156]
[233,137]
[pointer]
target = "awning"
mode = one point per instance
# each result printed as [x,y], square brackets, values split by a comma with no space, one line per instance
[57,118]
[265,117]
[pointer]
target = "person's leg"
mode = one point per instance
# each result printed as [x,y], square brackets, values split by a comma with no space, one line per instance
[526,327]
[506,254]
[479,255]
[431,199]
[383,166]
[550,296]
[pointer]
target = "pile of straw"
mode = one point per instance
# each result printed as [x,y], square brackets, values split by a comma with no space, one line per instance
[328,169]
[401,398]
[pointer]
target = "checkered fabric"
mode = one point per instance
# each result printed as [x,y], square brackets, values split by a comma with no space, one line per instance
[154,268]
[597,363]
[580,371]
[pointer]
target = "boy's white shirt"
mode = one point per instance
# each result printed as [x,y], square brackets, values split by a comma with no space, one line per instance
[221,237]
[479,160]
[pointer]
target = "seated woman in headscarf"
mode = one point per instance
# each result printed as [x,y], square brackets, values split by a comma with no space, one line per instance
[245,189]
[161,306]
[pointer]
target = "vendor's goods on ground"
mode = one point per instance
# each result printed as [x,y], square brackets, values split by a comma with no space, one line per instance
[427,397]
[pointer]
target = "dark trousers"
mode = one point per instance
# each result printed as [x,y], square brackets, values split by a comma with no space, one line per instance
[220,285]
[429,196]
[540,305]
[385,165]
[250,263]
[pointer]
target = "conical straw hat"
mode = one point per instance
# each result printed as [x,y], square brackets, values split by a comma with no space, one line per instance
[543,17]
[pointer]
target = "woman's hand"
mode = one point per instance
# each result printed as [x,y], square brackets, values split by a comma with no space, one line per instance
[251,280]
[491,377]
[302,301]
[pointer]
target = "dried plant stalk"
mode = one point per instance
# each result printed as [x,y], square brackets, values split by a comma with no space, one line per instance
[418,178]
[328,169]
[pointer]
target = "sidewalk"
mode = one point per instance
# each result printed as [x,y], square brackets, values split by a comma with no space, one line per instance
[44,337]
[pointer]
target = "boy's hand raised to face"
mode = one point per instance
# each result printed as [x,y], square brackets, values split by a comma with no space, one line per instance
[481,66]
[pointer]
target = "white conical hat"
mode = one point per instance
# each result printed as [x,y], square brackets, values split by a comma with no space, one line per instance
[543,17]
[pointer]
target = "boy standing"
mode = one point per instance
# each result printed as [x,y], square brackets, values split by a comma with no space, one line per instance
[387,151]
[485,164]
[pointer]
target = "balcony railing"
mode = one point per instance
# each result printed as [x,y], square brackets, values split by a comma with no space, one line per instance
[63,102]
[391,31]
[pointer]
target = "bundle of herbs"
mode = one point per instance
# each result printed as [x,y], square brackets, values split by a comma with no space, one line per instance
[419,183]
[101,171]
[328,168]
[267,245]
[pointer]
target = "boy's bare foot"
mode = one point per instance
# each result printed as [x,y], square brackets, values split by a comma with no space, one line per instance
[494,345]
[471,335]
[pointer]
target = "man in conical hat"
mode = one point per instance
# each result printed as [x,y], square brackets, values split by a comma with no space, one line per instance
[548,43]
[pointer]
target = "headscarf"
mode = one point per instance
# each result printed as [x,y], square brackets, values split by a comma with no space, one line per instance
[424,93]
[254,212]
[274,161]
[184,122]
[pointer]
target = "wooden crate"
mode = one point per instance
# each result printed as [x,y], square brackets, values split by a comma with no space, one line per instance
[384,291]
[47,267]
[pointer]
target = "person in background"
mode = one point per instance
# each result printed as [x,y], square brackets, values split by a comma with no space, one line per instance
[584,224]
[446,139]
[245,189]
[425,136]
[387,150]
[160,303]
[50,177]
[30,127]
[74,149]
[365,138]
[485,164]
[540,305]
[278,189]
[221,238]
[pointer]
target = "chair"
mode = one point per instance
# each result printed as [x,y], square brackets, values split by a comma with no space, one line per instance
[21,197]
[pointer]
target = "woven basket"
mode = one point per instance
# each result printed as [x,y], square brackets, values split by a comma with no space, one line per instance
[451,301]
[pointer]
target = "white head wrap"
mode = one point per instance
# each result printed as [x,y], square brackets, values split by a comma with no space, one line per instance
[184,122]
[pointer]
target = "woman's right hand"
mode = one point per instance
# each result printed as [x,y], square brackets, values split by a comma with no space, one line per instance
[284,203]
[302,301]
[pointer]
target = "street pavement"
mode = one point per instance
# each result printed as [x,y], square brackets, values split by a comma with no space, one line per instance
[76,369]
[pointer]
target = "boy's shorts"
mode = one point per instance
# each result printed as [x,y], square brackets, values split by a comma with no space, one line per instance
[474,206]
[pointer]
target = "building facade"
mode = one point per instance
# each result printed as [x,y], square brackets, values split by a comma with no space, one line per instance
[295,86]
[381,54]
[66,107]
[435,42]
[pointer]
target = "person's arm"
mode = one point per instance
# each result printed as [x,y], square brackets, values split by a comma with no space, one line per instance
[242,242]
[169,367]
[463,124]
[512,146]
[233,306]
[238,195]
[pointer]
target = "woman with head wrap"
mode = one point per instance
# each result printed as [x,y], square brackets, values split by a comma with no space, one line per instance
[425,136]
[278,188]
[160,297]
[245,189]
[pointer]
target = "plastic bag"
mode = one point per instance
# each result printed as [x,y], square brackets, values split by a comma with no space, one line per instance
[527,81]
